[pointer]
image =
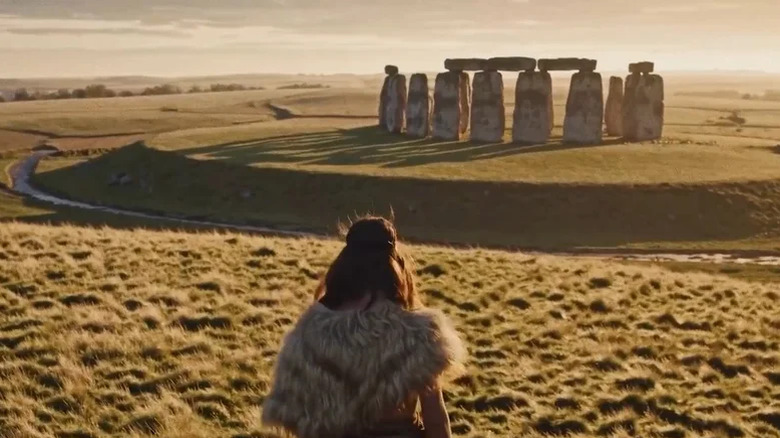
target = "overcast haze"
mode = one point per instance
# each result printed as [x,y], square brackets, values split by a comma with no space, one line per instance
[200,37]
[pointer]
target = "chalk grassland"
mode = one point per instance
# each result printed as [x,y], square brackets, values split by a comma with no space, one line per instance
[116,333]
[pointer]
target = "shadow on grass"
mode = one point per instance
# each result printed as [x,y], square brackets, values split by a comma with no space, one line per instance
[368,145]
[486,213]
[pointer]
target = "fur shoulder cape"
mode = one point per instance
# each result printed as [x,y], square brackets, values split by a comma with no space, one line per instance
[340,372]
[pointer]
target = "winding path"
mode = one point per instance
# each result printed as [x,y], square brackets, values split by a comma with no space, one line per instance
[21,171]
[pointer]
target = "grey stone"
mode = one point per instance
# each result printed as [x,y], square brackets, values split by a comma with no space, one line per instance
[584,109]
[395,105]
[120,179]
[487,107]
[613,114]
[516,63]
[391,70]
[383,103]
[418,107]
[568,64]
[449,101]
[641,67]
[465,102]
[643,107]
[533,115]
[465,64]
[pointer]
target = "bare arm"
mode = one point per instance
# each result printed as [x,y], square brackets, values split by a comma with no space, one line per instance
[434,414]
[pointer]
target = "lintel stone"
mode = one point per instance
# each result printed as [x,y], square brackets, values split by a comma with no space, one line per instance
[641,67]
[391,70]
[514,63]
[465,64]
[568,64]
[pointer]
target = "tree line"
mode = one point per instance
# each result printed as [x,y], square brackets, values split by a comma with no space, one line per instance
[101,91]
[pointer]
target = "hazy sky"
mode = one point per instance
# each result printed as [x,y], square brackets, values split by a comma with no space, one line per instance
[196,37]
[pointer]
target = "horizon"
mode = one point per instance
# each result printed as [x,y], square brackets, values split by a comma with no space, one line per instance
[175,38]
[670,73]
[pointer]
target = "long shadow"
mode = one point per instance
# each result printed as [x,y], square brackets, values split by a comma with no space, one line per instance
[502,214]
[368,145]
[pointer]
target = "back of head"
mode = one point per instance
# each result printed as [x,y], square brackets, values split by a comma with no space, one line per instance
[369,264]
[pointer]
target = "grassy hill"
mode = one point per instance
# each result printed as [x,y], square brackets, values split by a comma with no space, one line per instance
[475,212]
[110,333]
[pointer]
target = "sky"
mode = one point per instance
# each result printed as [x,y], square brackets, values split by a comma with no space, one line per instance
[58,38]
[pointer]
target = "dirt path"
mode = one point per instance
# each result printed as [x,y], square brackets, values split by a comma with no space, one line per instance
[21,171]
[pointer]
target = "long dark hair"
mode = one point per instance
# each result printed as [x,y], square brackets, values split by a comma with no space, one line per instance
[370,263]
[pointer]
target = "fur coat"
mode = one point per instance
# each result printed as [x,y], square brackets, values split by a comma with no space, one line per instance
[340,372]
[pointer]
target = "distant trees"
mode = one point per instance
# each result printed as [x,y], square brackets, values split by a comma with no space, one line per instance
[22,94]
[96,91]
[160,90]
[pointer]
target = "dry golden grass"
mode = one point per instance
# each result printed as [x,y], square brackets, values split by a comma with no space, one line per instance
[116,333]
[18,141]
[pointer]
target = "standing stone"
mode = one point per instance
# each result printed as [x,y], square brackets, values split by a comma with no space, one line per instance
[465,102]
[643,107]
[449,99]
[395,104]
[487,107]
[532,120]
[383,103]
[584,109]
[613,115]
[418,107]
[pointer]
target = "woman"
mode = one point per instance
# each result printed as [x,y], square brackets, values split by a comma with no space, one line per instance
[358,361]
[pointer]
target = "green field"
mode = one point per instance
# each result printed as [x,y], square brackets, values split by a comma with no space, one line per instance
[119,333]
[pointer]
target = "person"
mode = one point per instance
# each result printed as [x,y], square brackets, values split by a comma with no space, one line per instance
[367,359]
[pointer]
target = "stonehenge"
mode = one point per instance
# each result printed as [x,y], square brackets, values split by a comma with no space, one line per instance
[643,103]
[634,109]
